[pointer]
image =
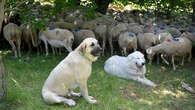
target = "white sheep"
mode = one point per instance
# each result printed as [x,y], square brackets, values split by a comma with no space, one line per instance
[81,34]
[127,41]
[135,28]
[114,32]
[100,34]
[146,40]
[172,47]
[13,33]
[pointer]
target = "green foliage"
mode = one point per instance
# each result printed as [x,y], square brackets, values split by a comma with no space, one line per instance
[167,7]
[90,8]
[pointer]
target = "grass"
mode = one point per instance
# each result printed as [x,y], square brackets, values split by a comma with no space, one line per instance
[25,79]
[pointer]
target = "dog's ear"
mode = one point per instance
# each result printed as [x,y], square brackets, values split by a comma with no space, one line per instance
[82,48]
[130,57]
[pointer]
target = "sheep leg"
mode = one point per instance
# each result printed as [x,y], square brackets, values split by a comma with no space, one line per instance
[182,62]
[158,58]
[125,51]
[164,59]
[190,57]
[18,47]
[150,61]
[13,48]
[46,47]
[60,51]
[173,62]
[38,51]
[111,46]
[53,50]
[134,49]
[29,48]
[103,45]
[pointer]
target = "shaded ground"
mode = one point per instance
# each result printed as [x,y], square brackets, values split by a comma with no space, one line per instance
[25,80]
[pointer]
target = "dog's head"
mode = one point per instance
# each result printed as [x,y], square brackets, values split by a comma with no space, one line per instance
[90,48]
[137,58]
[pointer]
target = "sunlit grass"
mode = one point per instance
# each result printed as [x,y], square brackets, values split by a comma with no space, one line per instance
[25,79]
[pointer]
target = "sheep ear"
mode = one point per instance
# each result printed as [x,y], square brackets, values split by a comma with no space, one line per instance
[148,51]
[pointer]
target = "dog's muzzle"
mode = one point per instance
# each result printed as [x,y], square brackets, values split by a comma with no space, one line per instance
[140,64]
[96,51]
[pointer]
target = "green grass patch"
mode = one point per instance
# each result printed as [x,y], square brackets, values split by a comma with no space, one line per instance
[25,80]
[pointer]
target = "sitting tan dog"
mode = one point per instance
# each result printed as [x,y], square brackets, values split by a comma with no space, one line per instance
[72,72]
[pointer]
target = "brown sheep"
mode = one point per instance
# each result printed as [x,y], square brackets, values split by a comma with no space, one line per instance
[30,37]
[127,41]
[13,33]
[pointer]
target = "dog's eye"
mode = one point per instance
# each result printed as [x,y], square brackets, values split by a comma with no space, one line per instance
[92,44]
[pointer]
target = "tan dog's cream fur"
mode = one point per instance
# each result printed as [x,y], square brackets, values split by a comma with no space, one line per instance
[70,73]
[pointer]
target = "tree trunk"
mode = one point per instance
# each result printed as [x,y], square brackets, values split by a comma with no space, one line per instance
[193,15]
[102,5]
[2,81]
[3,2]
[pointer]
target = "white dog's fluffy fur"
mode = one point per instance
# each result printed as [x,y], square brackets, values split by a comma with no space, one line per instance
[130,67]
[70,73]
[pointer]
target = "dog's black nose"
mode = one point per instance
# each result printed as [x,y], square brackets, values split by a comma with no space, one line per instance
[143,64]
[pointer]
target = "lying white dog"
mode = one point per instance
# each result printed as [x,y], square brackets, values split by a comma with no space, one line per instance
[130,67]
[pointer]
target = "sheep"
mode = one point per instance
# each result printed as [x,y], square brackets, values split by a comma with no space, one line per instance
[57,37]
[127,41]
[172,47]
[81,34]
[132,27]
[30,37]
[146,40]
[101,33]
[190,36]
[12,33]
[114,31]
[174,32]
[64,25]
[163,37]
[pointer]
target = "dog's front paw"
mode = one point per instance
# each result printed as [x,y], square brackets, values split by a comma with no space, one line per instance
[71,102]
[91,100]
[76,94]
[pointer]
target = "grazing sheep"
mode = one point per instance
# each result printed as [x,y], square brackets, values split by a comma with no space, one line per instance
[114,32]
[161,38]
[30,37]
[80,35]
[172,47]
[127,41]
[100,33]
[13,33]
[146,40]
[57,38]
